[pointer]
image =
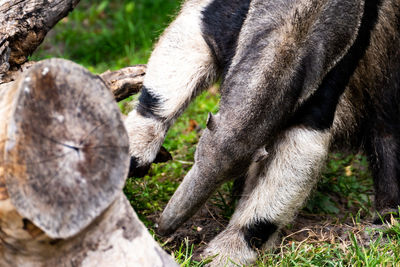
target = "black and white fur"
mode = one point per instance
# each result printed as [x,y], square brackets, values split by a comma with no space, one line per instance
[299,78]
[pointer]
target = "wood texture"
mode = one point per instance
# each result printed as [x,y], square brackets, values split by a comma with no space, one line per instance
[65,146]
[116,238]
[23,26]
[124,82]
[63,162]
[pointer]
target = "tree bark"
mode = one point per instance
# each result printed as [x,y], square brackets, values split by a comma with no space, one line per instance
[124,82]
[63,162]
[23,26]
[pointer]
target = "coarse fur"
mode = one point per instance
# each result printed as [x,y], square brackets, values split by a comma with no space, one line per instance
[171,81]
[299,78]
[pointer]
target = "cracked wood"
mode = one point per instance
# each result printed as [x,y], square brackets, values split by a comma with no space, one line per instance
[23,26]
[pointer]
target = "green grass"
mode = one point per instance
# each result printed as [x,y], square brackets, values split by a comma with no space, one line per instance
[108,34]
[345,178]
[325,254]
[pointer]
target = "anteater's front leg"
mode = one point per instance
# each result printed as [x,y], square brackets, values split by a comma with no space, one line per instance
[180,66]
[275,190]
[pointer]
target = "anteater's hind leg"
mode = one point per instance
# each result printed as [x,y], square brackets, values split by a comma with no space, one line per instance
[383,149]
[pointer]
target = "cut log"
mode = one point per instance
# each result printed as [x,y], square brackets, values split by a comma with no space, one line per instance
[63,133]
[63,162]
[23,26]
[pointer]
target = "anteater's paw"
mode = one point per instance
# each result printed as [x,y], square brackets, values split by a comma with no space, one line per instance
[228,249]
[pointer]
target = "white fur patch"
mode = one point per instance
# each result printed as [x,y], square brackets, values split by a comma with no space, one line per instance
[229,249]
[282,186]
[146,136]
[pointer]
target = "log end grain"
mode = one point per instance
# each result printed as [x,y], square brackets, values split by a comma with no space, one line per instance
[66,154]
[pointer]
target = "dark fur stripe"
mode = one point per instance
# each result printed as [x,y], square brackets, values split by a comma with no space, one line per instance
[222,21]
[319,110]
[258,233]
[135,170]
[149,104]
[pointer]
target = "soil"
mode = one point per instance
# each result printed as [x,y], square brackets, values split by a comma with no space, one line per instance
[199,230]
[307,227]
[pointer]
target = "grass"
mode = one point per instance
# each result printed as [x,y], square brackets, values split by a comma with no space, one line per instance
[345,177]
[108,34]
[325,254]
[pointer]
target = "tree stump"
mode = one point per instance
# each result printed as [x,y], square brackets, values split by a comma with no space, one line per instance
[63,154]
[62,133]
[63,162]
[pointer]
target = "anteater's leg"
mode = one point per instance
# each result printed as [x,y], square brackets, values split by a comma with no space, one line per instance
[181,65]
[275,189]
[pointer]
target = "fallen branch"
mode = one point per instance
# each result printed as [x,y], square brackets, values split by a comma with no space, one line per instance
[23,26]
[124,82]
